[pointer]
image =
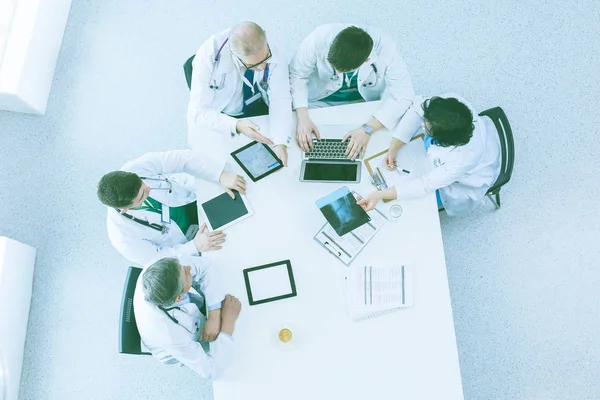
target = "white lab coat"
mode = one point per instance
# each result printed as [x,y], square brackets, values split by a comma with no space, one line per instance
[205,110]
[141,244]
[463,174]
[169,341]
[311,73]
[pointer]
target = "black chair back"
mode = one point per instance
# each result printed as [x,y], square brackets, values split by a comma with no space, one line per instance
[507,146]
[129,336]
[187,70]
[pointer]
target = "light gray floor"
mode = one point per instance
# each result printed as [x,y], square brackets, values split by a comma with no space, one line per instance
[524,280]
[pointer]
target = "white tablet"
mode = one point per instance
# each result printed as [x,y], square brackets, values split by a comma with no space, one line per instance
[270,282]
[222,211]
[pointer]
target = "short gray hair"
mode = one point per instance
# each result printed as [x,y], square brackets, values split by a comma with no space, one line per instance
[162,282]
[247,38]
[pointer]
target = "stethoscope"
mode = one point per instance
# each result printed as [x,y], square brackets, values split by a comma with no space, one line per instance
[157,227]
[172,318]
[212,82]
[336,77]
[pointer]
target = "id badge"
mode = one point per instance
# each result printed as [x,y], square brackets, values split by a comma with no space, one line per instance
[253,98]
[191,232]
[165,215]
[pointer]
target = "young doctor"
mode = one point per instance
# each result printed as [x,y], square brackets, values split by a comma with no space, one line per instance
[463,147]
[152,210]
[340,64]
[168,302]
[241,72]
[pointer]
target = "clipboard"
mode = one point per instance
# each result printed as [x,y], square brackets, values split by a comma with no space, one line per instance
[346,248]
[373,168]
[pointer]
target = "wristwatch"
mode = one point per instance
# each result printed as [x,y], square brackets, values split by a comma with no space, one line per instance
[368,129]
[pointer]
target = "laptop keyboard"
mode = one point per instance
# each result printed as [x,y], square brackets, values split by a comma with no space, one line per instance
[328,149]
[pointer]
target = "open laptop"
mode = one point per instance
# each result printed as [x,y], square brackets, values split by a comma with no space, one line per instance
[327,160]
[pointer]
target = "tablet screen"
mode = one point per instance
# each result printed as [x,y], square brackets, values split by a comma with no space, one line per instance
[330,172]
[223,209]
[257,160]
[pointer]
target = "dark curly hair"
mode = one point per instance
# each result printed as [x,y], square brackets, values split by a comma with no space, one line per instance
[450,121]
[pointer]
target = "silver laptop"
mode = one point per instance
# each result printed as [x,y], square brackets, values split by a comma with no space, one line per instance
[327,160]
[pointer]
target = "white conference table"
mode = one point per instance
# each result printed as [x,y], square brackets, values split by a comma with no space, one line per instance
[409,354]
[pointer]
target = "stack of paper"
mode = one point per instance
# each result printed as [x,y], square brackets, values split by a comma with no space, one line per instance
[374,291]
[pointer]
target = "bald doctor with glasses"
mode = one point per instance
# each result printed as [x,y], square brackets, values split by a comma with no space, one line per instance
[241,73]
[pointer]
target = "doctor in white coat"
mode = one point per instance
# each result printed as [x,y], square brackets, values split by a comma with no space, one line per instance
[169,300]
[463,148]
[151,205]
[342,63]
[241,72]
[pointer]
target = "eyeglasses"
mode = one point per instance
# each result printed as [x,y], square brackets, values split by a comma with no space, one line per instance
[269,55]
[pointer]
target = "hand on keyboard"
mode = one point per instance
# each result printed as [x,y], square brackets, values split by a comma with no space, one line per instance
[304,132]
[357,143]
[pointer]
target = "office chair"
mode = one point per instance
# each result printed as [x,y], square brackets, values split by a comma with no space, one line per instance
[507,147]
[187,70]
[129,337]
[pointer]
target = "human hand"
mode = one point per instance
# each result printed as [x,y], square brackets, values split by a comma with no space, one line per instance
[206,241]
[304,131]
[232,182]
[281,151]
[250,129]
[357,142]
[389,161]
[230,310]
[212,328]
[370,201]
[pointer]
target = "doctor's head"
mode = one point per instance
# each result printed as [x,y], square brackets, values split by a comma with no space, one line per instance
[448,121]
[122,190]
[350,49]
[248,42]
[166,281]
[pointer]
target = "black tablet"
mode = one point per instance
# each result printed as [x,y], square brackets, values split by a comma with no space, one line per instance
[222,211]
[270,282]
[257,160]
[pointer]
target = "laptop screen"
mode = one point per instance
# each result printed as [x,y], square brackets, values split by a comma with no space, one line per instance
[315,171]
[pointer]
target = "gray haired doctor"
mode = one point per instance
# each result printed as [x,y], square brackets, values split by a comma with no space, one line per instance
[152,210]
[169,303]
[342,63]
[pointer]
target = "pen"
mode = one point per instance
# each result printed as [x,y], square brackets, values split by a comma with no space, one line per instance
[406,171]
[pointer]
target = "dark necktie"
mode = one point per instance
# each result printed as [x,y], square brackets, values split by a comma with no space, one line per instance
[249,75]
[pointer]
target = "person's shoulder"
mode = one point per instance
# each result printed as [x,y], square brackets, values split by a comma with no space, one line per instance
[198,261]
[132,165]
[327,32]
[212,44]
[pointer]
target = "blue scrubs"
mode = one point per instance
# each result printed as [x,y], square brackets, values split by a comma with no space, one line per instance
[428,141]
